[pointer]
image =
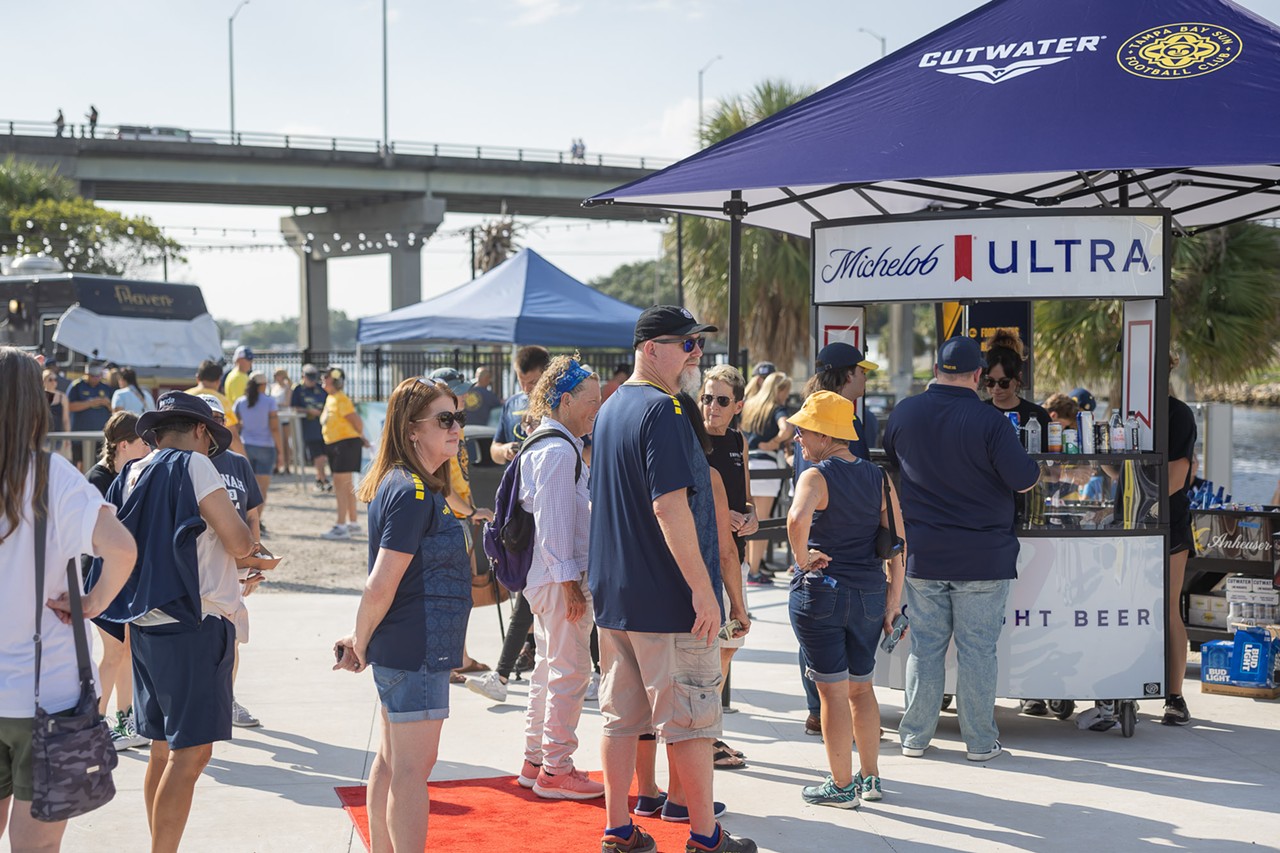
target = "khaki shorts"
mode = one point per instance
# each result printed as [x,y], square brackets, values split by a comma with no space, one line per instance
[664,683]
[15,757]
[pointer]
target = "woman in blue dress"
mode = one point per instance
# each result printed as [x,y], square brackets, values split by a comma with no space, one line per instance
[413,614]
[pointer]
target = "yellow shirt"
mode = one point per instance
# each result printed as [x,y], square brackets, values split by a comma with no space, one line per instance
[334,426]
[459,472]
[235,383]
[229,415]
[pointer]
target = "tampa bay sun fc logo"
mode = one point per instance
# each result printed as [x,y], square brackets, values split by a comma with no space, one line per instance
[1176,51]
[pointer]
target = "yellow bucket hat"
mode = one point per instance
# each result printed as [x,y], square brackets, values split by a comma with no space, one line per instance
[828,413]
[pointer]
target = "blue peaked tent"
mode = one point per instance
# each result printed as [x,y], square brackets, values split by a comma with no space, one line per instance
[524,300]
[1019,104]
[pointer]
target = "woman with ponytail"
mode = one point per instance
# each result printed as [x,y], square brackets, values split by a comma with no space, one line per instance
[1003,380]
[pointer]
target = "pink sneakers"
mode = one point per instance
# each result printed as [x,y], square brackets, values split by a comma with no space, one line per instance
[529,774]
[574,785]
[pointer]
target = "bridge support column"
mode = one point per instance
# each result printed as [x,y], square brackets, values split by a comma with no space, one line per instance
[406,276]
[313,319]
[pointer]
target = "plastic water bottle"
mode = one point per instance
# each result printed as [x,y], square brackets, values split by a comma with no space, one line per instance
[1132,443]
[1117,434]
[1033,436]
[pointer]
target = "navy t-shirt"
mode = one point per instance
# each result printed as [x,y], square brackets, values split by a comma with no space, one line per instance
[511,426]
[93,419]
[426,623]
[242,486]
[960,467]
[304,398]
[644,447]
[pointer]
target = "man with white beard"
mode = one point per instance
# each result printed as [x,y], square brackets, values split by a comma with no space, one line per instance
[654,573]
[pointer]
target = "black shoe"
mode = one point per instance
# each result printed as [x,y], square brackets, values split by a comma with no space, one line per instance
[1175,711]
[524,662]
[728,844]
[813,726]
[1035,707]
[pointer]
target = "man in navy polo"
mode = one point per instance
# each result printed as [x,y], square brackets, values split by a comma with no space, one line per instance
[961,464]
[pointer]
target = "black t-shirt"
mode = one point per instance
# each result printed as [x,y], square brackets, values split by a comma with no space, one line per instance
[727,458]
[1027,410]
[769,431]
[1182,445]
[101,477]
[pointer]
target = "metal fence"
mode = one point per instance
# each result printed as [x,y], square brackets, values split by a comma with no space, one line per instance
[374,373]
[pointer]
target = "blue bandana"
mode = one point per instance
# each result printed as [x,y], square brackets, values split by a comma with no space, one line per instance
[571,379]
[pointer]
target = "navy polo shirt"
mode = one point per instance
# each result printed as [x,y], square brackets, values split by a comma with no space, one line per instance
[644,448]
[93,419]
[309,398]
[961,464]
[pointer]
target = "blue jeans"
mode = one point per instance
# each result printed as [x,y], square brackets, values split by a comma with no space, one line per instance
[974,612]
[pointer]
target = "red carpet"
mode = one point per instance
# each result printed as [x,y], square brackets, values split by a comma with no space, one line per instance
[465,813]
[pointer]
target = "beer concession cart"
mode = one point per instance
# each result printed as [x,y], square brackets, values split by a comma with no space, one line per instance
[1026,151]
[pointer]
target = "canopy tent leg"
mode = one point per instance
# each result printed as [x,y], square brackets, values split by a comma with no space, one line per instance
[735,209]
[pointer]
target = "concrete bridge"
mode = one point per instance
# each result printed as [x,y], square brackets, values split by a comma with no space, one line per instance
[341,188]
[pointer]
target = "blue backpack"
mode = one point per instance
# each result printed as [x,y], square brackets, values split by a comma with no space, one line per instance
[508,539]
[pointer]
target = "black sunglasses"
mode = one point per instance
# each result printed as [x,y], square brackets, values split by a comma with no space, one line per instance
[722,402]
[687,344]
[1003,382]
[446,419]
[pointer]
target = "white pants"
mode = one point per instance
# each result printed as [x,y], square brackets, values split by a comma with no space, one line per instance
[558,684]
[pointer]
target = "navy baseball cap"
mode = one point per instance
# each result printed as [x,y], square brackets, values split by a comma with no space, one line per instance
[840,354]
[1084,399]
[959,355]
[663,320]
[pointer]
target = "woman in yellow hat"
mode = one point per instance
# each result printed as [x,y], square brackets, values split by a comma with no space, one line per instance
[842,598]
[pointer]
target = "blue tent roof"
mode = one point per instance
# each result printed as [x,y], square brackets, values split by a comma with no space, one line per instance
[525,299]
[1021,103]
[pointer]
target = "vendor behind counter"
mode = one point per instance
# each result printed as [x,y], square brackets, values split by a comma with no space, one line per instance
[1006,359]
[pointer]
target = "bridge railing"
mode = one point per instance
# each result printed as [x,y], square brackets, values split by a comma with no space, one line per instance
[312,142]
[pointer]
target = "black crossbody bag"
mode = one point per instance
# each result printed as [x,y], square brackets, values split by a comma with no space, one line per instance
[888,543]
[71,752]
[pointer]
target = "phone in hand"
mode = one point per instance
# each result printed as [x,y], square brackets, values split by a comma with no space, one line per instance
[890,641]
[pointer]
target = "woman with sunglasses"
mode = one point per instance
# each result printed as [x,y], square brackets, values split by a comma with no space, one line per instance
[1003,381]
[764,420]
[413,613]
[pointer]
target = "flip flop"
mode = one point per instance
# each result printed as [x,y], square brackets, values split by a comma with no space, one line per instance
[474,666]
[721,746]
[722,760]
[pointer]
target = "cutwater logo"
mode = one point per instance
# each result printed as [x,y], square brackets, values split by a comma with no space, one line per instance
[1040,53]
[1176,51]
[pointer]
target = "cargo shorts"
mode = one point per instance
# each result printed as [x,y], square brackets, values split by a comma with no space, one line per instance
[664,683]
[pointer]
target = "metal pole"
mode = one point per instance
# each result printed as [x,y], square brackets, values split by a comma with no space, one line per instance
[231,63]
[384,76]
[680,259]
[701,71]
[735,209]
[473,254]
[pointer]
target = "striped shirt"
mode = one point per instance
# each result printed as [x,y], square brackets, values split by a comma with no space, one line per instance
[561,509]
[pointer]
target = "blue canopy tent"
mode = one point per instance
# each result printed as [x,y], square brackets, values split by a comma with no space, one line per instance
[1020,104]
[525,299]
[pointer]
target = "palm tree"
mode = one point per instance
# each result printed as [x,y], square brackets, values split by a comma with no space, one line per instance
[1225,305]
[23,183]
[775,266]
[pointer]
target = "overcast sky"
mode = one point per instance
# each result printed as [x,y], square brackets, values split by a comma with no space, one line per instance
[620,74]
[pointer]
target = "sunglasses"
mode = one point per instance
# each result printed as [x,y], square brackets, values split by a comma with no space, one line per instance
[446,419]
[687,344]
[1004,382]
[722,402]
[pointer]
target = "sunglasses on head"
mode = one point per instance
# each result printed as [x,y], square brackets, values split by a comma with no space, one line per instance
[446,419]
[1003,382]
[687,344]
[722,402]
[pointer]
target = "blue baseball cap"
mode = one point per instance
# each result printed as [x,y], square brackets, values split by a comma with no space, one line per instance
[959,355]
[244,352]
[1084,399]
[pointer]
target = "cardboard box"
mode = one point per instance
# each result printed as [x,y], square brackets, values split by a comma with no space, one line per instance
[1244,584]
[1270,597]
[1253,659]
[1215,662]
[1207,611]
[1245,692]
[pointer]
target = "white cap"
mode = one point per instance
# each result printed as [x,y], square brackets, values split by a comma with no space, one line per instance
[214,403]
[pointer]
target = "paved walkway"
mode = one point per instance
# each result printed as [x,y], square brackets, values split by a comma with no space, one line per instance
[1212,786]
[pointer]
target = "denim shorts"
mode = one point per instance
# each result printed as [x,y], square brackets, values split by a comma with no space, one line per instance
[837,626]
[261,459]
[409,696]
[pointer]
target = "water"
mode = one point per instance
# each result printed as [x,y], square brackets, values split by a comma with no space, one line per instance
[1255,466]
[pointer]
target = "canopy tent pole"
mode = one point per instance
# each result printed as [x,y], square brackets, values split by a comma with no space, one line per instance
[735,209]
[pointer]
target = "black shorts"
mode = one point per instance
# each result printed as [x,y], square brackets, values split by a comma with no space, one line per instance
[1180,536]
[344,457]
[315,448]
[182,681]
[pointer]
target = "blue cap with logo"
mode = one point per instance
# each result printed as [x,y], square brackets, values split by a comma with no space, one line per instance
[959,355]
[1084,399]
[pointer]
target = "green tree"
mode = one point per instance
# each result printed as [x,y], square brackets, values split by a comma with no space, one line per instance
[1225,306]
[265,334]
[775,266]
[642,284]
[43,214]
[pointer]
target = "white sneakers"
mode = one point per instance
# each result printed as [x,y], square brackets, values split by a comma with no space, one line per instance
[338,532]
[489,685]
[593,688]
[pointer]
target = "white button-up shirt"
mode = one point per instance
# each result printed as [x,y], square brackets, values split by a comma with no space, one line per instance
[560,507]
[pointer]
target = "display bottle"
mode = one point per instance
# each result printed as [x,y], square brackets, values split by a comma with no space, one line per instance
[1117,434]
[1132,444]
[1088,443]
[1032,436]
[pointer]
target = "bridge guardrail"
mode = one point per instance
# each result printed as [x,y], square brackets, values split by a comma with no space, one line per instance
[311,142]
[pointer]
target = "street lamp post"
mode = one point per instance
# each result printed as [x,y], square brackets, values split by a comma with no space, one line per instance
[701,71]
[384,77]
[231,63]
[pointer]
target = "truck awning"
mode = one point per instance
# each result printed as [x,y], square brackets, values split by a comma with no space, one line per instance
[140,341]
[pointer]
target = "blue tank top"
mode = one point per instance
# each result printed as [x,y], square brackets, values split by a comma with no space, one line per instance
[846,529]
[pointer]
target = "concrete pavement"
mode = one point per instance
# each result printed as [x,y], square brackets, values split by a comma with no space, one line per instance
[1211,786]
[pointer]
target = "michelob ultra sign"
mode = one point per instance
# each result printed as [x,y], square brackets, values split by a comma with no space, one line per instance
[1064,256]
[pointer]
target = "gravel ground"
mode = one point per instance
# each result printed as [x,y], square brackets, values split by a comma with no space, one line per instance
[295,517]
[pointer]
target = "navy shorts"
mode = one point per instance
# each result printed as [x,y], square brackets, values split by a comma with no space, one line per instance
[838,627]
[409,696]
[182,681]
[315,448]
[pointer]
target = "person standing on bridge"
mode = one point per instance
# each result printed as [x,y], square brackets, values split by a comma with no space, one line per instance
[92,116]
[59,124]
